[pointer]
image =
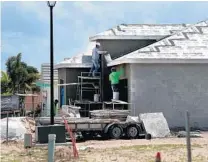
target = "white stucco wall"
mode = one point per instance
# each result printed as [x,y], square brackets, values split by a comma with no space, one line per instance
[171,89]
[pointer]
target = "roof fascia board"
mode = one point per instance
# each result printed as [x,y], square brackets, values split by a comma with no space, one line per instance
[160,61]
[71,65]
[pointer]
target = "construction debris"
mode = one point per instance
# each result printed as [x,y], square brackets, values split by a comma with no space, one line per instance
[133,119]
[195,134]
[110,114]
[83,148]
[16,129]
[57,120]
[29,124]
[70,111]
[71,120]
[155,124]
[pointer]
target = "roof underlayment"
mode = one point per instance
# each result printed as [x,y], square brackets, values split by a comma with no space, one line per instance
[134,31]
[139,31]
[78,61]
[188,45]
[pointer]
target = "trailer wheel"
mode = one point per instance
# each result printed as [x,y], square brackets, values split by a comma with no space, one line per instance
[115,132]
[132,132]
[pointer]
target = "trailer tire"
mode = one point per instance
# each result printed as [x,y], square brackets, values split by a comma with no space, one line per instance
[132,132]
[115,132]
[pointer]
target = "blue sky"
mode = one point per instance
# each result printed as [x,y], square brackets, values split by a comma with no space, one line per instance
[25,25]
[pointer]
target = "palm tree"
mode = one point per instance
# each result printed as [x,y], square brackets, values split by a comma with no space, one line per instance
[22,76]
[5,83]
[16,72]
[32,77]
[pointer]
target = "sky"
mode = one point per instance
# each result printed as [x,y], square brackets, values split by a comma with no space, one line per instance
[25,25]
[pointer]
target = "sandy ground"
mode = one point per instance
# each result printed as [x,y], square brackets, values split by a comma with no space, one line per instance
[139,150]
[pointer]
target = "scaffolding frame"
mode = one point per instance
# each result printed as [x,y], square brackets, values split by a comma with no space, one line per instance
[84,82]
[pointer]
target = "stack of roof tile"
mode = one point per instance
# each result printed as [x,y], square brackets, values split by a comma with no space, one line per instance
[110,114]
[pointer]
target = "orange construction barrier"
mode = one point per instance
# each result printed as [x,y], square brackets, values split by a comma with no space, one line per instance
[72,138]
[158,157]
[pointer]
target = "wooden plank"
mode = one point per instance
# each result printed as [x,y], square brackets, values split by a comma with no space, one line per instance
[108,102]
[65,84]
[119,101]
[87,102]
[74,107]
[93,102]
[90,78]
[110,114]
[59,120]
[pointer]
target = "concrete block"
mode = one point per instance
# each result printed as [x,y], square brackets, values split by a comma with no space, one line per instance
[155,124]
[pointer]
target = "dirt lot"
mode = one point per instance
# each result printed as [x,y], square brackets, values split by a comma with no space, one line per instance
[140,150]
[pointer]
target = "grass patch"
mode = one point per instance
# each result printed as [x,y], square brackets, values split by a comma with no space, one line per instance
[156,147]
[125,153]
[199,158]
[32,154]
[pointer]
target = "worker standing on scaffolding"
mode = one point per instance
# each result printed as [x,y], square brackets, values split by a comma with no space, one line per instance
[114,78]
[95,60]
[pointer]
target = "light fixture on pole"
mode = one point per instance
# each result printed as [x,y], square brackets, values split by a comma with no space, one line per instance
[51,4]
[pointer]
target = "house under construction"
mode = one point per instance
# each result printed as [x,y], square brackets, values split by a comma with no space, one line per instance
[165,70]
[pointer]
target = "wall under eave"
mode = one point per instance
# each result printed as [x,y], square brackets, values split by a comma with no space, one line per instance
[171,89]
[70,75]
[117,48]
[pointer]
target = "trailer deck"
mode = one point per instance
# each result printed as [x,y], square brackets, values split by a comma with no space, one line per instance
[111,128]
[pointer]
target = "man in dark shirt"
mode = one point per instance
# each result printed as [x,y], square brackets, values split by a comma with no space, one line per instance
[95,60]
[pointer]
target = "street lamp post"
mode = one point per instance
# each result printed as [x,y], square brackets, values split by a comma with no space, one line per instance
[51,4]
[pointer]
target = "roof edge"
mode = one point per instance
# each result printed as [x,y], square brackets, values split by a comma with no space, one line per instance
[159,61]
[72,65]
[96,37]
[126,37]
[159,24]
[129,59]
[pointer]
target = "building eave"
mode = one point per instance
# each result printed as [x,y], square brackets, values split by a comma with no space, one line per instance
[126,37]
[159,61]
[72,65]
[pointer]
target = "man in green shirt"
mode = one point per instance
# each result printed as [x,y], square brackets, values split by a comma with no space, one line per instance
[114,78]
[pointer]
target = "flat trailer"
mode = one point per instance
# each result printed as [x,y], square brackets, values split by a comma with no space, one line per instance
[108,128]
